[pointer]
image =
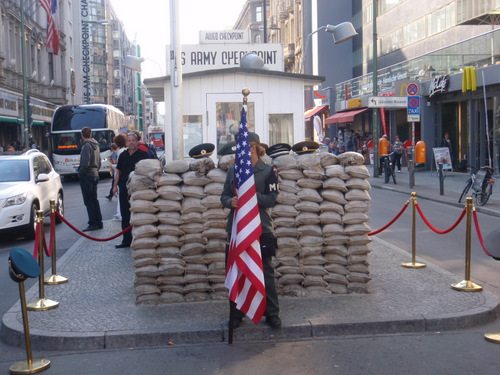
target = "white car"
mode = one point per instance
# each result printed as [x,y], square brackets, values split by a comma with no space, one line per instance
[27,184]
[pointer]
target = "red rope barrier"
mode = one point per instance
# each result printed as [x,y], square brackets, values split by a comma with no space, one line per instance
[436,230]
[479,235]
[391,222]
[90,237]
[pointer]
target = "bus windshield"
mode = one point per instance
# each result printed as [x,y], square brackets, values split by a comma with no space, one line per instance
[77,117]
[71,142]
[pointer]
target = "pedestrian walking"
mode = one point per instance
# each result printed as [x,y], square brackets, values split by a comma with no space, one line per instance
[88,173]
[398,152]
[126,164]
[266,184]
[446,142]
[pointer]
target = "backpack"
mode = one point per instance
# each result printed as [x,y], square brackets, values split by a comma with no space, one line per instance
[150,150]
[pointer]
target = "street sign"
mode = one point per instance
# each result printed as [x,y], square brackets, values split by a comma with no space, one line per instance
[413,108]
[412,89]
[387,102]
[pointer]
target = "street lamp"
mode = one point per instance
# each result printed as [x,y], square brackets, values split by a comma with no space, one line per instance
[340,33]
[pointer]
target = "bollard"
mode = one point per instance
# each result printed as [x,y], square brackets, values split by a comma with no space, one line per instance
[441,179]
[413,263]
[467,285]
[54,279]
[41,303]
[22,266]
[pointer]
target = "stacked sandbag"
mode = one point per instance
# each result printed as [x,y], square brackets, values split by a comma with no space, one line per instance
[320,223]
[141,186]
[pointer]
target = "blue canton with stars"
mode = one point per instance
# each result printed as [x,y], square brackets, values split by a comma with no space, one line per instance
[243,161]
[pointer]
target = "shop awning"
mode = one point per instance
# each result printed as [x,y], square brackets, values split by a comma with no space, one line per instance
[14,120]
[310,113]
[342,117]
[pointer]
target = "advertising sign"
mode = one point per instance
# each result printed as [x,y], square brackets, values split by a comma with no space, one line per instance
[201,57]
[387,102]
[442,156]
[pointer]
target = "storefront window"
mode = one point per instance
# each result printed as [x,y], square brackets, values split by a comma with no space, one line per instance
[192,132]
[228,120]
[281,128]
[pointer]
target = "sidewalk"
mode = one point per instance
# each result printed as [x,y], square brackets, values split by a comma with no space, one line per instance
[97,311]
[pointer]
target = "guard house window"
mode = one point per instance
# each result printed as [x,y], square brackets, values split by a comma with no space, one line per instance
[281,128]
[258,14]
[192,132]
[228,121]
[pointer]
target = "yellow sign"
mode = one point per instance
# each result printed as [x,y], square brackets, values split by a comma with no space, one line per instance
[354,103]
[469,79]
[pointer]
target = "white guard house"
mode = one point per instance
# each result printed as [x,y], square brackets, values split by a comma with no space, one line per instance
[212,98]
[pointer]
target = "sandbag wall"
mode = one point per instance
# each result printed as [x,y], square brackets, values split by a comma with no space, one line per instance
[179,227]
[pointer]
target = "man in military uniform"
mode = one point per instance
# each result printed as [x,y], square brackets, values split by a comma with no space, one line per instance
[266,185]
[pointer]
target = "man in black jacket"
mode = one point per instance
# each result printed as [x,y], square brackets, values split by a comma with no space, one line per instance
[88,172]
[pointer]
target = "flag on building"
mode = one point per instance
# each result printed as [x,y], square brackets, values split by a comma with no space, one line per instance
[51,8]
[244,272]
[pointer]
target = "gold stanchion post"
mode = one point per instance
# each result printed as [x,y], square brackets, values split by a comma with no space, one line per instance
[54,279]
[413,263]
[41,303]
[30,366]
[467,285]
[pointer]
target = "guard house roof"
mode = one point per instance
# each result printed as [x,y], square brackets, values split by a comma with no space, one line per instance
[156,85]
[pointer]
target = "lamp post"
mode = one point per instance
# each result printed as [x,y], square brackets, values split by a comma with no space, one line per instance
[376,160]
[340,33]
[25,82]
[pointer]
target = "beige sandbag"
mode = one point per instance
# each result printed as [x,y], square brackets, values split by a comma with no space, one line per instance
[168,252]
[192,205]
[193,237]
[357,206]
[192,191]
[309,260]
[289,186]
[358,259]
[310,218]
[337,288]
[293,290]
[173,230]
[339,269]
[286,232]
[334,196]
[358,249]
[330,217]
[357,195]
[327,159]
[196,297]
[310,280]
[194,227]
[173,218]
[310,241]
[355,218]
[170,269]
[334,171]
[218,233]
[142,218]
[333,230]
[170,288]
[358,183]
[176,166]
[196,268]
[308,161]
[167,240]
[191,217]
[283,210]
[226,161]
[140,262]
[147,194]
[217,175]
[148,271]
[317,173]
[358,171]
[190,178]
[198,258]
[212,201]
[288,261]
[309,230]
[142,280]
[307,206]
[335,278]
[309,183]
[285,162]
[351,158]
[284,270]
[338,239]
[201,166]
[335,183]
[170,192]
[146,289]
[219,214]
[169,179]
[144,253]
[336,249]
[144,243]
[291,278]
[361,239]
[357,229]
[286,251]
[288,242]
[326,206]
[335,258]
[192,249]
[137,182]
[141,205]
[167,205]
[311,195]
[314,270]
[287,198]
[291,174]
[217,268]
[170,280]
[216,257]
[214,188]
[310,250]
[358,267]
[218,279]
[214,224]
[142,231]
[150,168]
[284,221]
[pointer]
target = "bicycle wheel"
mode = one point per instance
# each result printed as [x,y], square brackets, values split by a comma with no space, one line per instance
[485,194]
[467,186]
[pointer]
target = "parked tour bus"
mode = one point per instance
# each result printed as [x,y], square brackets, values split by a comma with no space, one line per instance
[105,121]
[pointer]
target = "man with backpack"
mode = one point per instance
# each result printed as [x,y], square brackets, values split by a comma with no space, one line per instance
[145,147]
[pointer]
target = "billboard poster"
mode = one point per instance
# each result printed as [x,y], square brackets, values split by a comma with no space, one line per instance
[442,156]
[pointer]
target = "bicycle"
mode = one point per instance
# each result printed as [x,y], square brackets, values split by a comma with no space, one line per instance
[388,167]
[482,183]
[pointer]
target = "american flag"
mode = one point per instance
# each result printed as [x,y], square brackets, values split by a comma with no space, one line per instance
[244,273]
[50,7]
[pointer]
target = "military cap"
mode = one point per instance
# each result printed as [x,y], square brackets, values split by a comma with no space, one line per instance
[305,147]
[278,150]
[22,265]
[203,150]
[228,149]
[491,244]
[253,137]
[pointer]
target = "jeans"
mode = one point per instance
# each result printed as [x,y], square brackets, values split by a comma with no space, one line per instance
[88,184]
[125,212]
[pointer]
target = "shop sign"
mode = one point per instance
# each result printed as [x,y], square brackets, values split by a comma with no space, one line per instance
[202,57]
[225,37]
[8,104]
[387,102]
[439,85]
